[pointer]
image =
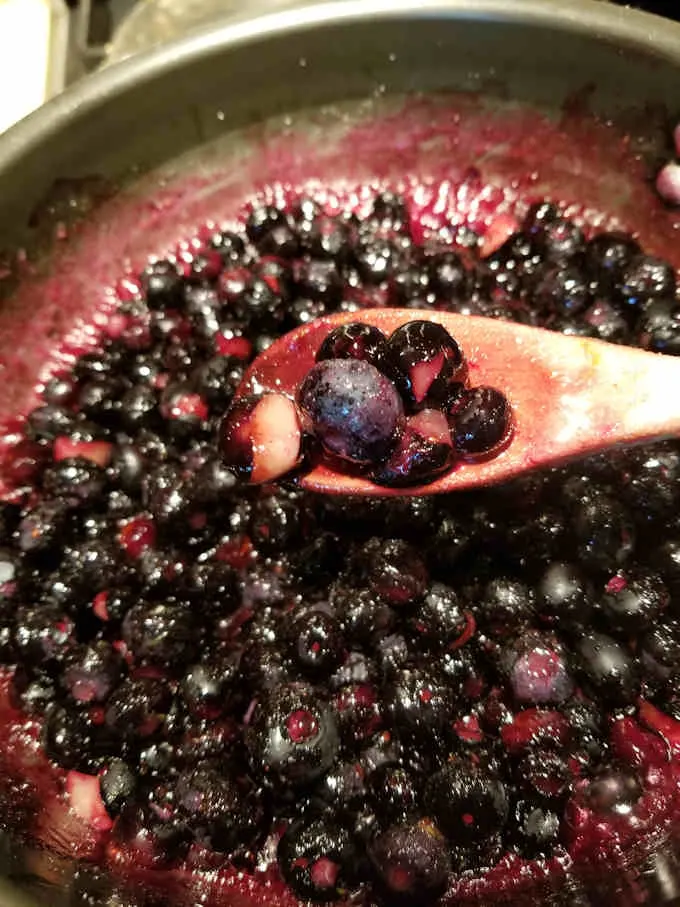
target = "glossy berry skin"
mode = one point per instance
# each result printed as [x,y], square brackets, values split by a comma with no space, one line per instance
[644,279]
[395,793]
[606,668]
[162,286]
[419,703]
[138,707]
[90,673]
[469,803]
[354,341]
[563,595]
[658,328]
[160,632]
[606,256]
[207,689]
[538,670]
[316,642]
[537,829]
[73,741]
[441,618]
[293,738]
[660,651]
[412,863]
[396,573]
[423,360]
[632,603]
[117,784]
[505,605]
[318,859]
[353,409]
[221,811]
[481,422]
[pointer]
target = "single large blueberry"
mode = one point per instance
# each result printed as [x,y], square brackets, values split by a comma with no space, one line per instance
[353,409]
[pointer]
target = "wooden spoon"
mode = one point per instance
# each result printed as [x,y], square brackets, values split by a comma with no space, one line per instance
[571,396]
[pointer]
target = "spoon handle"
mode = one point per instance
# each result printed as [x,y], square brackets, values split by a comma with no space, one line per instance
[627,396]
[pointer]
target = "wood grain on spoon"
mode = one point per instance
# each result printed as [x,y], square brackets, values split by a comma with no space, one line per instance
[571,396]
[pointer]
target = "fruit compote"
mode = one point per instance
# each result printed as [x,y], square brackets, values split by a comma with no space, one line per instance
[232,695]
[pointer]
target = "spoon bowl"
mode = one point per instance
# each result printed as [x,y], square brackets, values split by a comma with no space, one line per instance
[571,396]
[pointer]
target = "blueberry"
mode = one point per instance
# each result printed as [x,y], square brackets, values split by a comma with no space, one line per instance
[354,341]
[293,738]
[545,773]
[222,812]
[658,328]
[396,574]
[505,604]
[633,602]
[469,803]
[603,321]
[165,633]
[317,858]
[612,791]
[75,478]
[606,256]
[217,380]
[424,361]
[74,741]
[395,793]
[561,290]
[606,669]
[32,694]
[117,785]
[364,616]
[558,238]
[90,673]
[482,421]
[43,634]
[320,281]
[207,688]
[418,459]
[448,279]
[660,651]
[537,669]
[162,285]
[316,642]
[353,409]
[230,245]
[412,863]
[419,703]
[441,618]
[604,531]
[537,829]
[644,279]
[262,219]
[138,707]
[327,237]
[563,595]
[45,526]
[377,259]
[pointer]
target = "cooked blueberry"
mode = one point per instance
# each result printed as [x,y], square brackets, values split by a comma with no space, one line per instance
[222,812]
[74,741]
[469,803]
[612,791]
[481,420]
[293,738]
[377,258]
[75,478]
[604,531]
[558,238]
[563,594]
[231,246]
[162,286]
[505,605]
[423,453]
[537,829]
[43,634]
[316,642]
[207,688]
[262,219]
[537,668]
[419,703]
[633,602]
[606,256]
[658,328]
[396,573]
[644,279]
[161,632]
[660,650]
[317,858]
[353,409]
[354,341]
[138,707]
[90,673]
[561,290]
[395,793]
[117,784]
[604,321]
[423,360]
[441,618]
[321,281]
[412,862]
[606,668]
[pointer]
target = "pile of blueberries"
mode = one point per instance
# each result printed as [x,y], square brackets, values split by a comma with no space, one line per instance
[403,691]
